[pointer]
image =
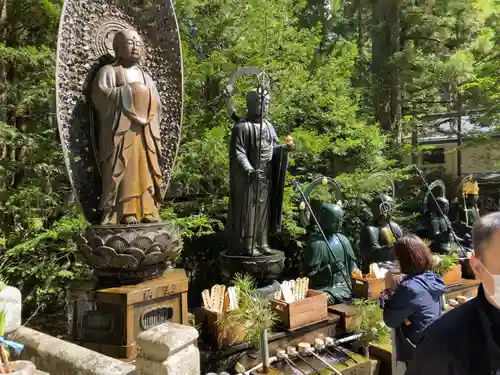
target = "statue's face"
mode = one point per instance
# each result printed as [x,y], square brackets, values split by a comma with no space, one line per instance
[257,103]
[443,204]
[471,199]
[128,46]
[382,206]
[331,218]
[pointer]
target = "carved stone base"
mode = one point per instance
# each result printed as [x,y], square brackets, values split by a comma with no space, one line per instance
[264,269]
[109,320]
[125,254]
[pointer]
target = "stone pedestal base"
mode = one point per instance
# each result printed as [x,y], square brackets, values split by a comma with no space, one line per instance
[264,268]
[109,320]
[168,349]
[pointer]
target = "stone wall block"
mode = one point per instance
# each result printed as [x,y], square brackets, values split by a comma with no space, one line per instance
[168,349]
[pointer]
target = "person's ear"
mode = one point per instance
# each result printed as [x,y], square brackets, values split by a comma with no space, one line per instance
[476,266]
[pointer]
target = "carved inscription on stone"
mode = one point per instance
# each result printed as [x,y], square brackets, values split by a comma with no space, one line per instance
[169,289]
[156,316]
[148,294]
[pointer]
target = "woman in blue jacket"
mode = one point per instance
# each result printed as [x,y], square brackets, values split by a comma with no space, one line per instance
[416,302]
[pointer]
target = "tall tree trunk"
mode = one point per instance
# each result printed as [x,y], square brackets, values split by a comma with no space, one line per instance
[3,81]
[386,30]
[414,143]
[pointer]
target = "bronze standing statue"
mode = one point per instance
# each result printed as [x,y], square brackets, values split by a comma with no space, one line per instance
[256,179]
[119,106]
[257,168]
[129,113]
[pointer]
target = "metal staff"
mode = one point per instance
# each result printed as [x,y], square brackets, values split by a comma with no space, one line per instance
[296,185]
[448,222]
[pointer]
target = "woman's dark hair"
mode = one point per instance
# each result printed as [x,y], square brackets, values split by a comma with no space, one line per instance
[413,255]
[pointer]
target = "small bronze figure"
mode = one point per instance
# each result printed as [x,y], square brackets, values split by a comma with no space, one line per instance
[437,209]
[329,265]
[256,177]
[129,113]
[466,210]
[377,238]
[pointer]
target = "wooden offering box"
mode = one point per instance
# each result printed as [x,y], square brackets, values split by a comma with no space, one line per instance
[216,335]
[347,315]
[301,313]
[453,276]
[109,320]
[367,288]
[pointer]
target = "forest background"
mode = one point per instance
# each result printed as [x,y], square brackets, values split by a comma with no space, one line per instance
[353,82]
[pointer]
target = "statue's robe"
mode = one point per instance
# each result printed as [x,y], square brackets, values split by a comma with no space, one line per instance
[469,214]
[243,154]
[440,234]
[128,115]
[376,243]
[326,272]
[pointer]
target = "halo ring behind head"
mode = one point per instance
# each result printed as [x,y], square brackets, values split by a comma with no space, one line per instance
[304,215]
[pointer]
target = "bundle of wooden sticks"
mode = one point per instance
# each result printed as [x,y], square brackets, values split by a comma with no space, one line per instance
[293,290]
[220,299]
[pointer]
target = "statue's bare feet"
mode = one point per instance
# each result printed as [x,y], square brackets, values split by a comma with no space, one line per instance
[149,219]
[252,252]
[266,250]
[130,219]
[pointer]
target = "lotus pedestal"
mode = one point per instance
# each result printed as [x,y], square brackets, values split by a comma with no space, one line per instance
[129,254]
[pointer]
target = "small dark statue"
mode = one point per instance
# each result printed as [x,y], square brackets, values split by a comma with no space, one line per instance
[436,209]
[328,269]
[440,231]
[468,211]
[256,180]
[376,239]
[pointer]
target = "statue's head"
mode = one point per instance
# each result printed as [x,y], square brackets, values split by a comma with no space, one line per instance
[443,204]
[256,102]
[381,206]
[471,199]
[128,46]
[330,217]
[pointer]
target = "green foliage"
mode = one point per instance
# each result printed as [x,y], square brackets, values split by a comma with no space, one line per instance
[369,323]
[44,263]
[38,220]
[253,312]
[3,320]
[444,263]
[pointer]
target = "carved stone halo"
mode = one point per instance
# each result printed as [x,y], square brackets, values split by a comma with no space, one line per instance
[105,33]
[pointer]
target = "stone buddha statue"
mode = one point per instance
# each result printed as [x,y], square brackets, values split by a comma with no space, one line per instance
[440,231]
[328,269]
[256,180]
[128,110]
[377,237]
